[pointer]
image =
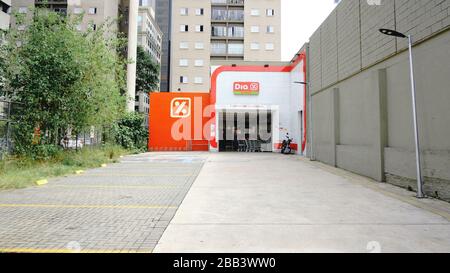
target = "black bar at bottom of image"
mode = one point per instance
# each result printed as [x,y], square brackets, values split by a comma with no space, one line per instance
[193,263]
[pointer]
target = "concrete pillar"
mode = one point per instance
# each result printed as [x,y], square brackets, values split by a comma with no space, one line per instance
[335,123]
[380,120]
[132,53]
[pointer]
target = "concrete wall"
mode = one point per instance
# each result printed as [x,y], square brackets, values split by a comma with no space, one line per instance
[362,113]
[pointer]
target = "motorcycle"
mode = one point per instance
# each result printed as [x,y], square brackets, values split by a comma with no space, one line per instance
[286,146]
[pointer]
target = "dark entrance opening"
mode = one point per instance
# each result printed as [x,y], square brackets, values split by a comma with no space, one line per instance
[245,131]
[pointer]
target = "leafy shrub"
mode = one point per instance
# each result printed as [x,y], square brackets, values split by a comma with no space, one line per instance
[129,131]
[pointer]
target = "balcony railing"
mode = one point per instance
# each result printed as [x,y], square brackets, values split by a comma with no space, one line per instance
[227,2]
[236,15]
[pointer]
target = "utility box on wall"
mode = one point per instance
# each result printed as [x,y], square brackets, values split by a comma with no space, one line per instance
[179,122]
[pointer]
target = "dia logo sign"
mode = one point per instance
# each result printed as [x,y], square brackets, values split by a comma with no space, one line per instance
[180,108]
[246,88]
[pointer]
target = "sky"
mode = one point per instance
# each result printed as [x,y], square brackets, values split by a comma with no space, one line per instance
[299,20]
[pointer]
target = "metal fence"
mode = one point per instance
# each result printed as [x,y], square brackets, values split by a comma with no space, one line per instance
[89,137]
[6,143]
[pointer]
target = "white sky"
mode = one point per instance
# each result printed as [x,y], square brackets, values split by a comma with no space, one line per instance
[299,20]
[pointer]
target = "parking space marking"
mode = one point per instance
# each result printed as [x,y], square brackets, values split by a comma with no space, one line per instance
[86,206]
[134,175]
[112,187]
[65,250]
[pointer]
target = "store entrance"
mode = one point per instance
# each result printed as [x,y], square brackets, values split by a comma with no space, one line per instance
[245,131]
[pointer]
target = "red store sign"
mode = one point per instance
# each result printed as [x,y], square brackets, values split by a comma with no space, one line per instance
[246,88]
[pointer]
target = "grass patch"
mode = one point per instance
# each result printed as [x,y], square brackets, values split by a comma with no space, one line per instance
[18,173]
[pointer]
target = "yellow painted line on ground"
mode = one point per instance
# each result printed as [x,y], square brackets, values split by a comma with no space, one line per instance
[86,206]
[41,182]
[159,165]
[136,175]
[114,187]
[63,250]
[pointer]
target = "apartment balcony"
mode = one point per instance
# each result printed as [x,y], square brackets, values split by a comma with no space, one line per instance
[227,50]
[231,3]
[51,2]
[231,16]
[59,6]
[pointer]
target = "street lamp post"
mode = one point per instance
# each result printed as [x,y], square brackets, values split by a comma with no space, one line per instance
[397,34]
[309,118]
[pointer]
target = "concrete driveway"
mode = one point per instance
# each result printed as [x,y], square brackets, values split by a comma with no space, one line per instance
[276,203]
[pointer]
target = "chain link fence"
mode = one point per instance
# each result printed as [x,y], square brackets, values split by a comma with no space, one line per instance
[6,143]
[89,137]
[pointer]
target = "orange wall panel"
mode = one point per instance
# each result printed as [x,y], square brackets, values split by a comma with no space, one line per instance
[177,120]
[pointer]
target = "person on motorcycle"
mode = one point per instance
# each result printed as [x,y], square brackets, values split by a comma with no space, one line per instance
[286,145]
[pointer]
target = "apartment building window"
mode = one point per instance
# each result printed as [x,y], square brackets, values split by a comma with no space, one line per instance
[236,31]
[92,11]
[199,12]
[218,48]
[254,29]
[77,10]
[254,12]
[184,45]
[270,12]
[198,80]
[218,14]
[270,46]
[184,79]
[199,28]
[254,46]
[219,31]
[199,63]
[236,15]
[199,45]
[23,10]
[184,28]
[184,62]
[270,29]
[236,48]
[184,11]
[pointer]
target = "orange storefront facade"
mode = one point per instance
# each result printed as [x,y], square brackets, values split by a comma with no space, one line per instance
[250,108]
[179,122]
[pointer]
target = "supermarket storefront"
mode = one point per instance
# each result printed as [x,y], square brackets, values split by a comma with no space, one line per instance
[249,109]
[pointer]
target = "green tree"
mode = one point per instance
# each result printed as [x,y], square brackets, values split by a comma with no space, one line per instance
[129,131]
[147,75]
[62,78]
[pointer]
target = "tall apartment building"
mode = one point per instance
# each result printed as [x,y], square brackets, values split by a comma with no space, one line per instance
[150,38]
[149,33]
[95,12]
[220,30]
[163,10]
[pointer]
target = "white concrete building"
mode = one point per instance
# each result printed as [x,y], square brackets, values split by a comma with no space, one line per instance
[5,9]
[149,34]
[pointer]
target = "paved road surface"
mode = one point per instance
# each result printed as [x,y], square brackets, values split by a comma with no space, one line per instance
[276,203]
[238,203]
[121,208]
